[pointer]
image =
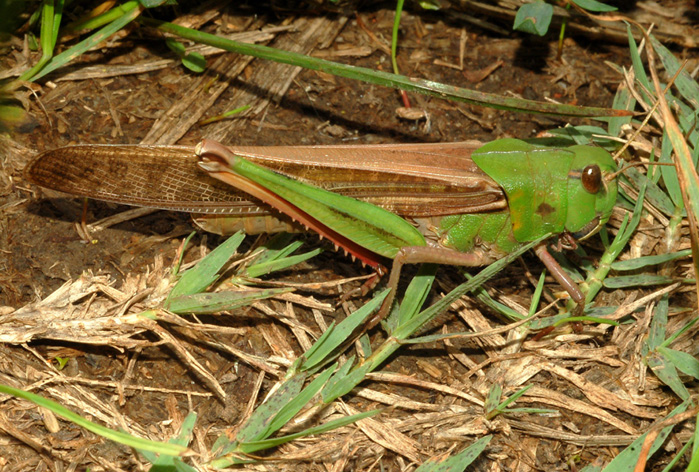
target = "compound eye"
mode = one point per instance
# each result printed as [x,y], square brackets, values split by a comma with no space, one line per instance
[592,178]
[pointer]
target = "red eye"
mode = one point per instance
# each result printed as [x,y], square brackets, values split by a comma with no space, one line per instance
[592,178]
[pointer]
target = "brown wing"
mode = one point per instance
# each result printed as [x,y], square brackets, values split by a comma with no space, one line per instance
[411,180]
[407,179]
[165,177]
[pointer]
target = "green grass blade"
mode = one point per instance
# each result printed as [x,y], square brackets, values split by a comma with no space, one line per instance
[335,382]
[655,195]
[291,408]
[131,11]
[694,463]
[394,35]
[646,280]
[627,459]
[206,272]
[687,86]
[570,135]
[116,436]
[513,398]
[666,372]
[669,173]
[344,385]
[538,293]
[339,334]
[484,297]
[183,438]
[493,406]
[257,426]
[216,302]
[623,100]
[493,399]
[253,446]
[51,13]
[407,329]
[671,339]
[279,246]
[658,326]
[264,268]
[683,361]
[595,280]
[415,295]
[409,84]
[460,461]
[102,19]
[638,68]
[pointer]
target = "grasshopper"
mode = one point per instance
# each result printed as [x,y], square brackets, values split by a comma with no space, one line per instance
[466,203]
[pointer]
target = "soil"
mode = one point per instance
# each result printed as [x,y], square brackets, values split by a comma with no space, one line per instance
[146,377]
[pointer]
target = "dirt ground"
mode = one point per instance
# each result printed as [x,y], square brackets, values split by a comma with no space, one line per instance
[141,377]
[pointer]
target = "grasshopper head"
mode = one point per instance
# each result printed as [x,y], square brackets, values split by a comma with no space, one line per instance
[591,196]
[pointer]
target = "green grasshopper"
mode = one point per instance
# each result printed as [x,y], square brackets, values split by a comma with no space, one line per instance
[467,204]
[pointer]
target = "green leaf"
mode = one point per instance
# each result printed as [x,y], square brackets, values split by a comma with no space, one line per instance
[593,5]
[484,297]
[570,135]
[156,3]
[669,172]
[430,5]
[175,46]
[405,330]
[227,461]
[638,67]
[194,62]
[658,326]
[33,43]
[534,18]
[279,245]
[623,100]
[513,398]
[11,117]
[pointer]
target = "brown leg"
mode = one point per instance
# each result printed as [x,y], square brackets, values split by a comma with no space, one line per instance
[423,255]
[561,277]
[367,286]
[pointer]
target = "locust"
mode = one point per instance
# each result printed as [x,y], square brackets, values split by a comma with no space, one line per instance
[464,204]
